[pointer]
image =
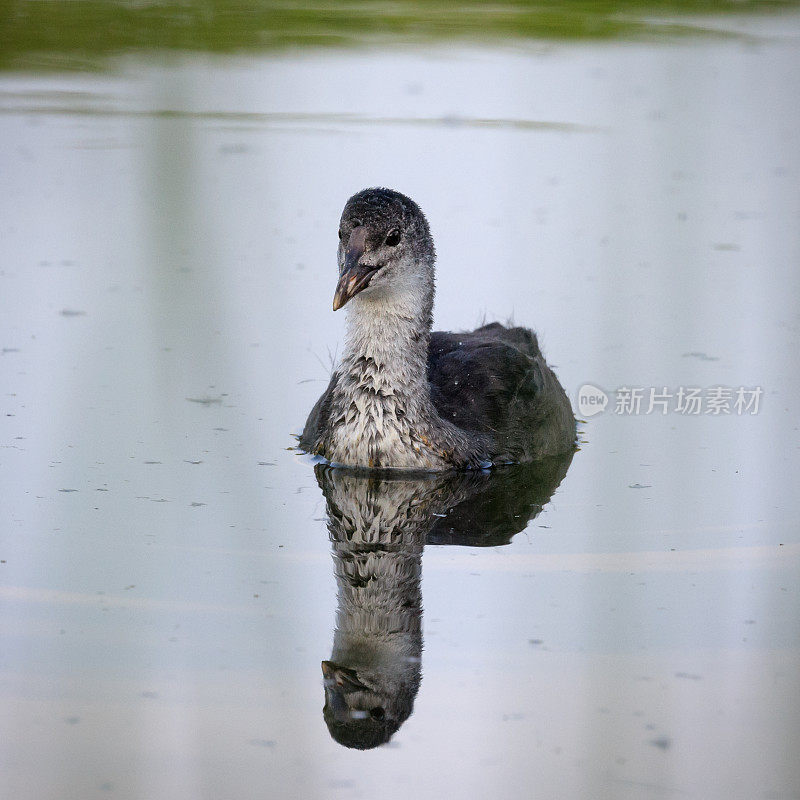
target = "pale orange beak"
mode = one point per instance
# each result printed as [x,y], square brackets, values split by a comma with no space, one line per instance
[355,276]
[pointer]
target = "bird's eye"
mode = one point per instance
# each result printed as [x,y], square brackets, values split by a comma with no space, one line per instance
[393,237]
[377,712]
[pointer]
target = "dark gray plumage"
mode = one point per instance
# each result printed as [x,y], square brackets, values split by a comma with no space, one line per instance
[403,398]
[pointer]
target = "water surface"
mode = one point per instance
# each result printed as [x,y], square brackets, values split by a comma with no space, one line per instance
[168,578]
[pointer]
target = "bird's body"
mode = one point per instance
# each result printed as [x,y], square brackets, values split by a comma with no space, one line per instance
[404,398]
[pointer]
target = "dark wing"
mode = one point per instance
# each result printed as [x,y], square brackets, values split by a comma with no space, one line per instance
[495,381]
[317,421]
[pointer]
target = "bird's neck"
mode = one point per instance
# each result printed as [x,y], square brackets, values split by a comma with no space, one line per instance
[378,532]
[381,403]
[389,338]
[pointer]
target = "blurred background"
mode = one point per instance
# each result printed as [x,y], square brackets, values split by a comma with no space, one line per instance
[621,177]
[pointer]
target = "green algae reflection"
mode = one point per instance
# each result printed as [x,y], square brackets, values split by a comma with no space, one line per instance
[82,34]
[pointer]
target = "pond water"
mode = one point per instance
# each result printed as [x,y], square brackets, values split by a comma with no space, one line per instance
[624,626]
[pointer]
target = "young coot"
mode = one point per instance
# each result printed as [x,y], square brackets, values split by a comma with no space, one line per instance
[405,398]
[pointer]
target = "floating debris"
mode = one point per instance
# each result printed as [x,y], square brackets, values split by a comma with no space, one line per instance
[700,355]
[662,742]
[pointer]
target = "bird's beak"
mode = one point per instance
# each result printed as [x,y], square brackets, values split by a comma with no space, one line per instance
[355,276]
[344,678]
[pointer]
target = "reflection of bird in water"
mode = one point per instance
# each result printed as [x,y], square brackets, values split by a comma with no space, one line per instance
[378,526]
[405,398]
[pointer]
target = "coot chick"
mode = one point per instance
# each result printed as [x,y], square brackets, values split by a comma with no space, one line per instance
[405,398]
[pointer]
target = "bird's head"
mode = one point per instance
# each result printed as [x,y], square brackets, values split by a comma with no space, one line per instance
[364,708]
[385,248]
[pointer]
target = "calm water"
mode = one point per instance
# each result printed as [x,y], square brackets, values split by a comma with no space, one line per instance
[170,584]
